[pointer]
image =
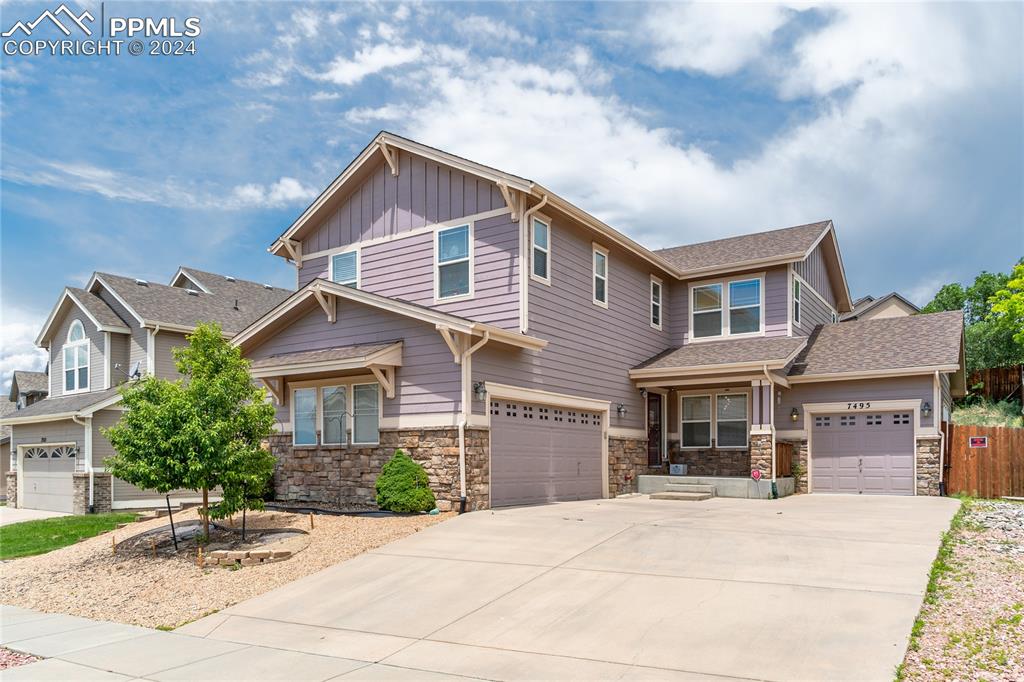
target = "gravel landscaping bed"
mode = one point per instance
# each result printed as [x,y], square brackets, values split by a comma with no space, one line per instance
[972,624]
[88,579]
[12,659]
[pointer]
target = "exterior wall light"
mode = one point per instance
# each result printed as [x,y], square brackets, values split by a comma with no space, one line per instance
[926,409]
[621,410]
[643,392]
[794,415]
[479,390]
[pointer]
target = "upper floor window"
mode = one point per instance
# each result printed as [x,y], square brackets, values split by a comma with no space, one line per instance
[835,317]
[600,276]
[732,308]
[345,268]
[76,359]
[454,262]
[541,239]
[796,301]
[655,302]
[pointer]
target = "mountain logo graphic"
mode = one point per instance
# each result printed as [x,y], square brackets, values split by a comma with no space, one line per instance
[68,15]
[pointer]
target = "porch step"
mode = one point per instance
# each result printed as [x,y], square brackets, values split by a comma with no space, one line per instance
[690,488]
[681,497]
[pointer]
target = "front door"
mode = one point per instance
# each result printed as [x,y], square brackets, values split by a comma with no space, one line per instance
[654,429]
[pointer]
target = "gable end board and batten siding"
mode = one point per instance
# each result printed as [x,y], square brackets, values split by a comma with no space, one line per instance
[138,339]
[97,352]
[814,271]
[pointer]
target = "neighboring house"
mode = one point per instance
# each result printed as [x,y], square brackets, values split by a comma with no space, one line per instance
[7,407]
[523,351]
[28,387]
[115,329]
[871,308]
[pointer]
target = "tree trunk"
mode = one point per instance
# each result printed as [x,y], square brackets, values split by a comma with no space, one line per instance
[206,513]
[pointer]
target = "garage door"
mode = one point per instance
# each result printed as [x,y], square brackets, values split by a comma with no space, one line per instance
[544,454]
[48,478]
[863,453]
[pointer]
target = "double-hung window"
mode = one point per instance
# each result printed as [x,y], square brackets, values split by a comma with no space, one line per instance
[796,301]
[345,268]
[76,359]
[541,239]
[454,274]
[696,431]
[718,420]
[304,417]
[731,420]
[334,401]
[366,414]
[600,276]
[729,308]
[745,306]
[707,310]
[655,302]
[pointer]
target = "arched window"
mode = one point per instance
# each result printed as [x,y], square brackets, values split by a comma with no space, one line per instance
[76,359]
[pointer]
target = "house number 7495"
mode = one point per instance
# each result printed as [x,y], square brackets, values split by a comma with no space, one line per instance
[858,406]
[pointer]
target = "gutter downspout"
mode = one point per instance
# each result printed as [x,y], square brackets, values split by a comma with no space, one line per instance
[467,409]
[771,425]
[942,434]
[87,437]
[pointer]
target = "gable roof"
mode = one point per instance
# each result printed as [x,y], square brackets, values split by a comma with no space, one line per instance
[7,407]
[793,243]
[924,343]
[64,407]
[95,308]
[26,382]
[867,303]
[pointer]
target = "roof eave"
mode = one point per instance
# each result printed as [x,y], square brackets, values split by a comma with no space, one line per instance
[871,374]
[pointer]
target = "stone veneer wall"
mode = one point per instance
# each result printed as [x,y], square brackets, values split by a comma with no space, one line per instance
[12,488]
[79,493]
[627,459]
[342,477]
[800,464]
[761,454]
[928,474]
[101,492]
[711,462]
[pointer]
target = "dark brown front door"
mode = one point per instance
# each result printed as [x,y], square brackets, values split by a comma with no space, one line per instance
[654,427]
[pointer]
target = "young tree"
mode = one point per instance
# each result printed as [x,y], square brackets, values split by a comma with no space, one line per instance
[1008,306]
[199,432]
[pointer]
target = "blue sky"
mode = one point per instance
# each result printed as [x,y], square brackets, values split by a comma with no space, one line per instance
[674,123]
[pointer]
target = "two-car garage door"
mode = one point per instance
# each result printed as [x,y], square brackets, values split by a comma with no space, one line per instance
[48,482]
[863,453]
[542,453]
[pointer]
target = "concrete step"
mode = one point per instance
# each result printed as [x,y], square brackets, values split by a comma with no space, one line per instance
[681,497]
[690,488]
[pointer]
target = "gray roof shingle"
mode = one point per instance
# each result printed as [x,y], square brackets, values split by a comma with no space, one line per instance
[31,382]
[7,409]
[882,344]
[62,404]
[789,241]
[97,307]
[706,354]
[323,354]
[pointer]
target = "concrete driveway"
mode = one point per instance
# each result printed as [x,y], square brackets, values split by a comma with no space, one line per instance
[809,587]
[9,515]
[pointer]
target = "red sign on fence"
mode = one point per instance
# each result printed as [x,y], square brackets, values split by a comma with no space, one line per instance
[978,441]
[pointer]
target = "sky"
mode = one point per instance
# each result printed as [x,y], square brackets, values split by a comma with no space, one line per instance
[674,123]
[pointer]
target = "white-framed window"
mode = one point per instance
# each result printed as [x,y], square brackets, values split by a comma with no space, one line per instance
[731,430]
[76,359]
[304,411]
[715,420]
[696,431]
[453,263]
[796,301]
[656,302]
[366,414]
[600,261]
[345,268]
[835,317]
[731,308]
[334,415]
[540,239]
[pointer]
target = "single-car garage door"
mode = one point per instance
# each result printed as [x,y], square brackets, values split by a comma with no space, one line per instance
[544,454]
[48,477]
[863,453]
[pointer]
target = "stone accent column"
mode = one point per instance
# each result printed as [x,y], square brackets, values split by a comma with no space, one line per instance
[101,493]
[79,493]
[761,454]
[928,474]
[12,488]
[800,465]
[627,459]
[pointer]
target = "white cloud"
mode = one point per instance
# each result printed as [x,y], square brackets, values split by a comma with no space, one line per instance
[485,29]
[284,192]
[322,96]
[362,115]
[18,332]
[368,61]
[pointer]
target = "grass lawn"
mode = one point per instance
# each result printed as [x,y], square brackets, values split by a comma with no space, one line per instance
[45,535]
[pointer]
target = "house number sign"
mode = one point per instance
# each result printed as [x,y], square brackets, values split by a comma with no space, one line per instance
[858,406]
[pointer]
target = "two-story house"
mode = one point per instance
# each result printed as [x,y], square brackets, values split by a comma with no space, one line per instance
[113,330]
[524,351]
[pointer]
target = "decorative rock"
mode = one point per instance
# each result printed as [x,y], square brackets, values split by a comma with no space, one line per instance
[281,553]
[237,556]
[219,554]
[260,554]
[249,561]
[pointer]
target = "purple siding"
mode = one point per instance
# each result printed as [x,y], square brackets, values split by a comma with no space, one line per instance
[896,388]
[813,312]
[815,273]
[590,348]
[428,382]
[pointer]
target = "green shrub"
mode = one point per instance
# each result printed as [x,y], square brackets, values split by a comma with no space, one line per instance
[403,486]
[989,413]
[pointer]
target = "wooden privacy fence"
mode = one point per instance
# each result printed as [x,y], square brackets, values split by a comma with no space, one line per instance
[996,470]
[784,459]
[998,383]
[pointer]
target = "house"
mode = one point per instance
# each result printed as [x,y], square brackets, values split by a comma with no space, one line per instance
[890,305]
[28,387]
[524,351]
[6,407]
[113,330]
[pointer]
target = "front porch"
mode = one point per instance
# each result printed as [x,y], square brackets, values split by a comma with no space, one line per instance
[743,487]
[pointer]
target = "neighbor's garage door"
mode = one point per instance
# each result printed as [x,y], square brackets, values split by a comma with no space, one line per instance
[48,478]
[863,453]
[544,454]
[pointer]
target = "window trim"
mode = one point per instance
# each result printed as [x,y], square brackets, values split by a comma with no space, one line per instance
[713,395]
[380,416]
[316,416]
[544,220]
[656,281]
[320,410]
[725,332]
[798,307]
[598,249]
[348,382]
[710,421]
[470,230]
[83,342]
[359,265]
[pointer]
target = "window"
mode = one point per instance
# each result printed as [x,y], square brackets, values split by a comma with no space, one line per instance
[335,416]
[600,276]
[366,415]
[454,271]
[696,431]
[541,251]
[796,301]
[835,318]
[76,359]
[304,416]
[707,310]
[345,268]
[655,302]
[745,307]
[731,420]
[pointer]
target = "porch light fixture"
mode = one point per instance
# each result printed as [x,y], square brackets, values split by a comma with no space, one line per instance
[479,390]
[794,415]
[926,409]
[643,392]
[620,410]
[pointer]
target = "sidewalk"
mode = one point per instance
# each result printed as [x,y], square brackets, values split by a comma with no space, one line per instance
[86,650]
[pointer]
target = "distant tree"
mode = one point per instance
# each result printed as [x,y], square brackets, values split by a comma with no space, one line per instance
[200,432]
[1008,306]
[949,297]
